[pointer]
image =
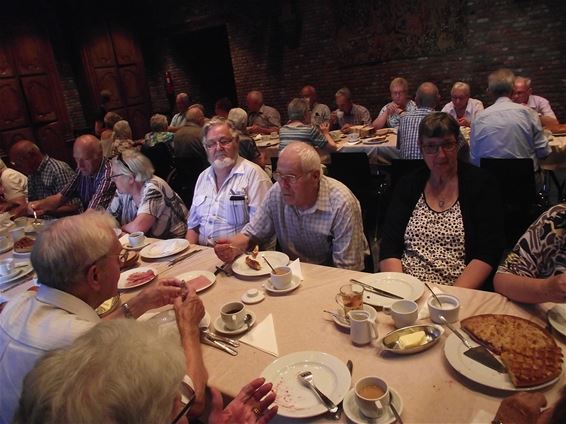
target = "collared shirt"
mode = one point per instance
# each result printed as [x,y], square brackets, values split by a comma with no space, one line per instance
[541,106]
[266,117]
[306,133]
[508,130]
[473,107]
[14,183]
[178,120]
[328,233]
[358,115]
[50,178]
[187,143]
[408,133]
[223,213]
[393,119]
[95,191]
[30,325]
[320,113]
[158,200]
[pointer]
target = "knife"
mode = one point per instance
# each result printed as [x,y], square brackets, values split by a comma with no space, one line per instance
[376,290]
[185,256]
[479,353]
[338,413]
[215,343]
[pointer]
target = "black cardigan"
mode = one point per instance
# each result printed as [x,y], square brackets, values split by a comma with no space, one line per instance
[480,203]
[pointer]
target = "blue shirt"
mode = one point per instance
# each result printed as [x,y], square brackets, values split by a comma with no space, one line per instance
[408,133]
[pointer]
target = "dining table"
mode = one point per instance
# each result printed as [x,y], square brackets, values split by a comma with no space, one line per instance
[431,390]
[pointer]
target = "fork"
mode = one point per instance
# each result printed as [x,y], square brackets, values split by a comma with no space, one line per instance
[307,379]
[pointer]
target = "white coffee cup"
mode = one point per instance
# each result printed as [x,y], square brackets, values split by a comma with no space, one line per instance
[136,239]
[353,137]
[372,396]
[362,328]
[6,266]
[233,315]
[403,312]
[17,233]
[281,278]
[4,242]
[22,221]
[450,308]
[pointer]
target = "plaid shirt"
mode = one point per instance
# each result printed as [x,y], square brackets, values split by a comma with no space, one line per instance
[50,178]
[408,133]
[328,233]
[95,191]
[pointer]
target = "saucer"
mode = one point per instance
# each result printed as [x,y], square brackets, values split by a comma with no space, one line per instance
[218,325]
[250,300]
[345,323]
[355,415]
[10,275]
[295,282]
[128,246]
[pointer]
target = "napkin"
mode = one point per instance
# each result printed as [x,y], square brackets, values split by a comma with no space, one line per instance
[296,269]
[423,312]
[482,417]
[262,337]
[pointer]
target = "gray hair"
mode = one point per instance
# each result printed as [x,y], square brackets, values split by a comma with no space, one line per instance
[239,117]
[87,381]
[399,82]
[122,130]
[297,109]
[500,83]
[427,95]
[2,165]
[310,159]
[524,80]
[138,165]
[216,121]
[110,119]
[345,92]
[158,123]
[461,86]
[64,250]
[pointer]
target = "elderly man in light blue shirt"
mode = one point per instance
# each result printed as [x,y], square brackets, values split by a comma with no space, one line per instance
[463,107]
[507,130]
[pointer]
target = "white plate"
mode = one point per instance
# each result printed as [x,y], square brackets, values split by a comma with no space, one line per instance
[295,282]
[10,276]
[345,323]
[9,246]
[454,351]
[404,285]
[354,414]
[275,259]
[295,400]
[164,248]
[123,281]
[218,325]
[128,246]
[557,318]
[253,300]
[186,276]
[168,317]
[22,272]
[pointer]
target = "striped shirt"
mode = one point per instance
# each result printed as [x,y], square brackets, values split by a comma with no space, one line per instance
[328,233]
[306,133]
[95,191]
[408,133]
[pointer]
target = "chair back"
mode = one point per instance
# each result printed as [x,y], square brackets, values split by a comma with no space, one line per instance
[402,167]
[184,177]
[352,169]
[160,157]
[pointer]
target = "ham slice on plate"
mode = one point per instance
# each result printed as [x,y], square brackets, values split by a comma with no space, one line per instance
[138,278]
[198,283]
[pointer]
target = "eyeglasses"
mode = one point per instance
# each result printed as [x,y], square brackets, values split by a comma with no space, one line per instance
[121,159]
[432,149]
[115,176]
[222,142]
[288,178]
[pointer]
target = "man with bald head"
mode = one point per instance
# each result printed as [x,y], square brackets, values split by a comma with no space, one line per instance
[408,133]
[462,107]
[187,141]
[319,113]
[523,95]
[92,183]
[262,119]
[178,121]
[46,176]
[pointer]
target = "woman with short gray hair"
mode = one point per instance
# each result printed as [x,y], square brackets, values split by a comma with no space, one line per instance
[248,149]
[122,137]
[159,134]
[143,201]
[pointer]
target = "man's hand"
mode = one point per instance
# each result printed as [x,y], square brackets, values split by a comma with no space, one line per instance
[394,109]
[521,408]
[345,127]
[324,127]
[161,294]
[463,122]
[251,405]
[224,251]
[189,313]
[37,207]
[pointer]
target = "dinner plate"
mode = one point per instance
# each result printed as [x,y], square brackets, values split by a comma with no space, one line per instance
[10,276]
[295,400]
[186,276]
[123,281]
[295,282]
[454,351]
[275,259]
[557,318]
[390,341]
[344,323]
[353,412]
[218,325]
[404,285]
[168,317]
[22,271]
[164,248]
[9,246]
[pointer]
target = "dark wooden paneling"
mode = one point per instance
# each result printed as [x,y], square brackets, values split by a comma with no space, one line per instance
[100,49]
[131,82]
[137,117]
[50,138]
[13,112]
[11,137]
[124,47]
[29,54]
[6,66]
[39,96]
[108,79]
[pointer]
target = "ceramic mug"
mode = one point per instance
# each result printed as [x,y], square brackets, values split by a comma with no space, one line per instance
[450,308]
[362,328]
[372,396]
[281,278]
[351,297]
[403,312]
[233,315]
[136,239]
[6,266]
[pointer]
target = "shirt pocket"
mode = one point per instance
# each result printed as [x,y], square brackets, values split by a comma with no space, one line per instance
[237,213]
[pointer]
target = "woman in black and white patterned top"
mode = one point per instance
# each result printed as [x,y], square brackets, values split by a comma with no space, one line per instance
[444,224]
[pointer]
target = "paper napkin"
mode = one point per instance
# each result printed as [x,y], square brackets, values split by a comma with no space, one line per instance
[423,312]
[296,269]
[262,337]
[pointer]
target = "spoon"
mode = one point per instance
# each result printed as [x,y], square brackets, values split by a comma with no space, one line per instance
[267,262]
[248,321]
[342,319]
[434,294]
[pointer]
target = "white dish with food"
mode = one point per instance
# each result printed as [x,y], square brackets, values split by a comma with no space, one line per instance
[136,277]
[276,259]
[191,275]
[412,339]
[164,248]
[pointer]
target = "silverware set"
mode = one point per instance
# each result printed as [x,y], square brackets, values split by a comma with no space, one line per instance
[178,259]
[375,290]
[219,342]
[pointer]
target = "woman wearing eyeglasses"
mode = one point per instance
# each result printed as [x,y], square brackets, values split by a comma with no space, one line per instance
[444,224]
[143,201]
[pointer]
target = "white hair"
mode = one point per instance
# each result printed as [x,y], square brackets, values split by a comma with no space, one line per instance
[122,130]
[310,159]
[345,92]
[524,80]
[216,121]
[500,83]
[121,371]
[239,118]
[139,166]
[158,123]
[64,250]
[461,86]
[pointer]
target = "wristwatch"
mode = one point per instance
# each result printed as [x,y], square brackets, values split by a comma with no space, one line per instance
[126,310]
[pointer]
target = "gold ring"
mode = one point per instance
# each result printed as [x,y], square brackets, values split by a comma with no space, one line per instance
[256,411]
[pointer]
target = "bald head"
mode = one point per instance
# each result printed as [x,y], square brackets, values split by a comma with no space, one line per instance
[427,95]
[26,156]
[195,115]
[87,152]
[308,92]
[254,100]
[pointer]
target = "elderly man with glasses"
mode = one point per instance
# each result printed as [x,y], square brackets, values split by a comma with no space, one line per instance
[229,192]
[315,218]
